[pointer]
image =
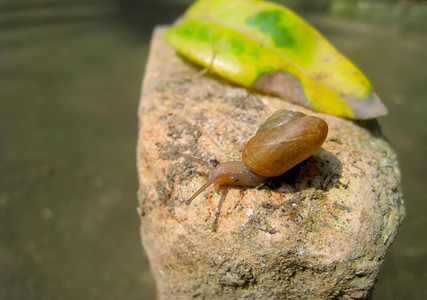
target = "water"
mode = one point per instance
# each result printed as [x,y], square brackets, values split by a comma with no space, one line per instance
[70,78]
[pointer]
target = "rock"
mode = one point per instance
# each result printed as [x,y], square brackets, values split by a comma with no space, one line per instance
[319,231]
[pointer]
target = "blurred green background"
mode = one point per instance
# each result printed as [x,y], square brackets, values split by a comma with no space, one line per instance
[70,80]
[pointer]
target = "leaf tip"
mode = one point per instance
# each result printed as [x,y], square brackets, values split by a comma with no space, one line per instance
[368,108]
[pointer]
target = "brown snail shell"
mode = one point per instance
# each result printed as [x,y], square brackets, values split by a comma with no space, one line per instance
[284,140]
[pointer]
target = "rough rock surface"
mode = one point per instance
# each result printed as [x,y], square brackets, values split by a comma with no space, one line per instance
[319,231]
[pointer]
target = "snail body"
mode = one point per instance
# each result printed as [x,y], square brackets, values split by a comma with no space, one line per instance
[284,140]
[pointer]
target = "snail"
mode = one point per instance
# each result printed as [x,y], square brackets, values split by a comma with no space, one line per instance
[284,140]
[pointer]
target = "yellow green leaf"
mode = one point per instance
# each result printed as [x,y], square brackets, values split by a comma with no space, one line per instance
[268,47]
